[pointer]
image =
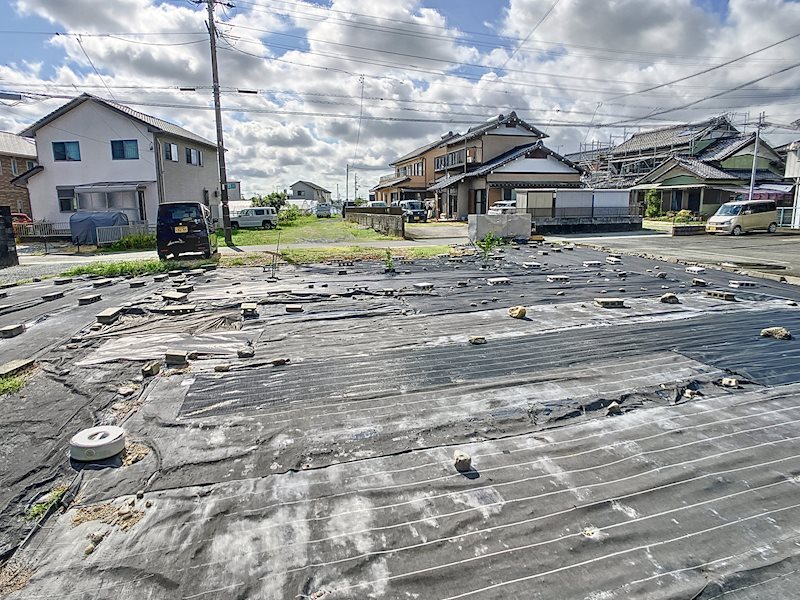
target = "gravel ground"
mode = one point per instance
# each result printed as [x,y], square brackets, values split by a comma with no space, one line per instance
[22,272]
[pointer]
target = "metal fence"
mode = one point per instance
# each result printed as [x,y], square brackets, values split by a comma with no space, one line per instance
[785,216]
[114,233]
[578,212]
[42,230]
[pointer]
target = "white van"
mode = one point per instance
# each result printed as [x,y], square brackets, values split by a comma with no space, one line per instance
[741,216]
[262,216]
[503,207]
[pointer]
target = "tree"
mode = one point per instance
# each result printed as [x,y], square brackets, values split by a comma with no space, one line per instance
[360,201]
[275,199]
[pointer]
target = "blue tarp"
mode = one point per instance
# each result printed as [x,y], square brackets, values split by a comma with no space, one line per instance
[83,225]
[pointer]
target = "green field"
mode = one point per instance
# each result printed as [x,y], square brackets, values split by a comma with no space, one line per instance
[306,229]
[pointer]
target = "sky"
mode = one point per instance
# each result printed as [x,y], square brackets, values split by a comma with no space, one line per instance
[311,87]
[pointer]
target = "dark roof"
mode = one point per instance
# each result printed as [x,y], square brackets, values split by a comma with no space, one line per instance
[761,174]
[153,123]
[387,183]
[501,160]
[702,169]
[12,144]
[674,136]
[727,146]
[494,123]
[311,185]
[587,154]
[423,149]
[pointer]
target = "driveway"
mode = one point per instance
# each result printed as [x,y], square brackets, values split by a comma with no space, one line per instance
[779,252]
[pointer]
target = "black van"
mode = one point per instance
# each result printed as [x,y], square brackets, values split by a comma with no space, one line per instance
[185,227]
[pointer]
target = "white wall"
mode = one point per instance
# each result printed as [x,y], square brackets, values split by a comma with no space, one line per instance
[611,198]
[93,126]
[185,182]
[535,165]
[573,198]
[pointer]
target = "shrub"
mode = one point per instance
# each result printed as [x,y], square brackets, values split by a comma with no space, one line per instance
[135,241]
[684,216]
[652,202]
[488,244]
[289,215]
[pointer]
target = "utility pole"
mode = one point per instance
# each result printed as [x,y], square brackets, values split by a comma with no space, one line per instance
[355,186]
[347,183]
[755,156]
[223,175]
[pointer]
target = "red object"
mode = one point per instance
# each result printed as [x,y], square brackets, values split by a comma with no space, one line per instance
[21,218]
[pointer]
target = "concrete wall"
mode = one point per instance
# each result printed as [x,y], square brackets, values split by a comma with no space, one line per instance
[504,226]
[391,225]
[587,224]
[8,245]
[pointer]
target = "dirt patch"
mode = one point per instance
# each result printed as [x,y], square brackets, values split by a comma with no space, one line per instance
[133,453]
[13,577]
[124,517]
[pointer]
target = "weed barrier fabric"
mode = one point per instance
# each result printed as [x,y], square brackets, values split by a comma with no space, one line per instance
[687,501]
[332,476]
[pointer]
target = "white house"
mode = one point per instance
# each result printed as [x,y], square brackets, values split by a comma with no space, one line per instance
[94,154]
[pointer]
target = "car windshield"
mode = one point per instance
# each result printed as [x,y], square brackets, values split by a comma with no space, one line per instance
[729,210]
[414,205]
[169,214]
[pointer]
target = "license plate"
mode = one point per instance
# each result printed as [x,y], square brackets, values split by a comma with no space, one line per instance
[711,228]
[182,229]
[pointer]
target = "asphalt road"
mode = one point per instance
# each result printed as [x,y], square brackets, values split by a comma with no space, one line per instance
[781,250]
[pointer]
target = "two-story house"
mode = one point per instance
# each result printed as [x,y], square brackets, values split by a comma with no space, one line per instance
[306,191]
[490,161]
[17,155]
[414,173]
[99,155]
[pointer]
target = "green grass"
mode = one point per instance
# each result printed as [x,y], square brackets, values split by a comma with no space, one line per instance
[139,241]
[306,229]
[318,255]
[36,511]
[132,267]
[12,383]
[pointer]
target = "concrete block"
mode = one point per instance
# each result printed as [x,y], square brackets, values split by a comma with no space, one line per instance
[699,282]
[246,352]
[728,296]
[558,279]
[174,296]
[498,281]
[462,461]
[209,267]
[610,302]
[109,315]
[503,226]
[62,280]
[592,263]
[102,283]
[84,300]
[661,275]
[669,298]
[532,265]
[152,368]
[477,340]
[175,273]
[543,252]
[294,308]
[249,309]
[10,331]
[52,296]
[176,358]
[137,283]
[695,270]
[730,382]
[15,366]
[185,289]
[160,278]
[742,284]
[195,272]
[613,260]
[424,286]
[342,272]
[179,309]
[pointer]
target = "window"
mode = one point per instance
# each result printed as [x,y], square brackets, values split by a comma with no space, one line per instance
[299,192]
[418,168]
[194,157]
[14,167]
[30,164]
[171,152]
[124,149]
[66,151]
[66,199]
[260,212]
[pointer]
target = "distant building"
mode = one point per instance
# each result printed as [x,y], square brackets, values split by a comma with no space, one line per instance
[98,155]
[307,191]
[17,155]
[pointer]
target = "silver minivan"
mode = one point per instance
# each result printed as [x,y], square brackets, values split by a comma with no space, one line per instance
[741,216]
[261,216]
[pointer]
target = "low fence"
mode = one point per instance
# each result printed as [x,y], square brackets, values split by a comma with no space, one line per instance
[42,230]
[785,216]
[114,233]
[582,212]
[388,224]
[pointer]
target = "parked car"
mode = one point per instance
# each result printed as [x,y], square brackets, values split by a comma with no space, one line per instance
[503,207]
[20,218]
[323,210]
[742,216]
[262,216]
[183,228]
[414,210]
[376,204]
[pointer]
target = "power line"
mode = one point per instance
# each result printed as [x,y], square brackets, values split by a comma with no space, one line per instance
[530,33]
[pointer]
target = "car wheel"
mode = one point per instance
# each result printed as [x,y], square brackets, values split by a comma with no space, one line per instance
[162,256]
[265,225]
[234,225]
[773,227]
[207,254]
[737,230]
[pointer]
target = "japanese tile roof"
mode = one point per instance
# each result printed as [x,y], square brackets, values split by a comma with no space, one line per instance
[493,123]
[725,147]
[12,144]
[423,149]
[670,137]
[154,123]
[387,183]
[703,169]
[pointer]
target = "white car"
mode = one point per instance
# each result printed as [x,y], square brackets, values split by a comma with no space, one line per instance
[262,216]
[503,207]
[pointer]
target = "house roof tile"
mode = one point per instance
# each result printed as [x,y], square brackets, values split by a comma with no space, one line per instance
[12,144]
[669,137]
[725,147]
